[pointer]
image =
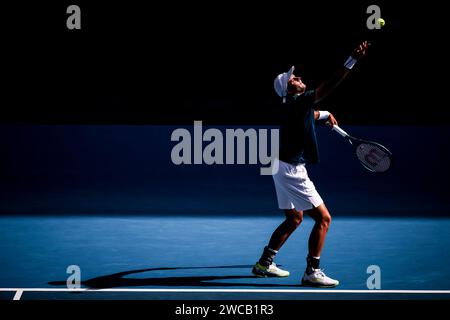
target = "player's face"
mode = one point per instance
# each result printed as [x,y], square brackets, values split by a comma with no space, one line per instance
[297,84]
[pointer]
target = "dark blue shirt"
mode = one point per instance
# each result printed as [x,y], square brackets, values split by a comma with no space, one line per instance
[298,142]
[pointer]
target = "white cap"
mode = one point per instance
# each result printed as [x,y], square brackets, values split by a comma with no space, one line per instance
[281,82]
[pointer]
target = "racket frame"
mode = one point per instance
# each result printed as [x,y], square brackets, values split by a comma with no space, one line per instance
[356,141]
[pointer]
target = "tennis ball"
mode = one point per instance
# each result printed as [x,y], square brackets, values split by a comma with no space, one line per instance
[381,22]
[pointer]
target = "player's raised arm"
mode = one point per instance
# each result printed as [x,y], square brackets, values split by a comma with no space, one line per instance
[326,87]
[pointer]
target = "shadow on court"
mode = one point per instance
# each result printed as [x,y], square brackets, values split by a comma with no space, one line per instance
[118,279]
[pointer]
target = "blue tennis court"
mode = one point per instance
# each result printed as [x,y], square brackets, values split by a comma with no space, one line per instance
[184,253]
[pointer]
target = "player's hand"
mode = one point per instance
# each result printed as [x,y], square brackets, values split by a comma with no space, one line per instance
[331,121]
[360,51]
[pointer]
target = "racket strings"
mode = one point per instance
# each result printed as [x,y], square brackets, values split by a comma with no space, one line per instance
[373,157]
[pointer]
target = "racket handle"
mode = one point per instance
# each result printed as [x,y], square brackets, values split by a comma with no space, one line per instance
[340,131]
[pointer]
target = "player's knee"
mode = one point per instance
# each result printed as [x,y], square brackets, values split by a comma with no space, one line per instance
[294,218]
[297,220]
[325,220]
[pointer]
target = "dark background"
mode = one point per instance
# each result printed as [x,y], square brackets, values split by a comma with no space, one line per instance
[173,62]
[147,69]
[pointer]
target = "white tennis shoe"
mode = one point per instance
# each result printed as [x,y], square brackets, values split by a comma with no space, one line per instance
[271,271]
[318,279]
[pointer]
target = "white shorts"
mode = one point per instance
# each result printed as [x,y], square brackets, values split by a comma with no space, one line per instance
[294,188]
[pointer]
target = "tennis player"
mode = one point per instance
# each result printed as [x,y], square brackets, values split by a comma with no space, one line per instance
[296,193]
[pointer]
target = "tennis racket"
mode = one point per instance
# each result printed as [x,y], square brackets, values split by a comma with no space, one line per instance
[372,155]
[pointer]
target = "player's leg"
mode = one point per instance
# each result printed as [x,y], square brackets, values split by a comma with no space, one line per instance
[322,220]
[293,219]
[314,276]
[265,266]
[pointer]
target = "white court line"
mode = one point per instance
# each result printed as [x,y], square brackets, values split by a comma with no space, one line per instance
[18,295]
[21,290]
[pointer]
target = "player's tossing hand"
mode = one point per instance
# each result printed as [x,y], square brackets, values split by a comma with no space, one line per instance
[360,51]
